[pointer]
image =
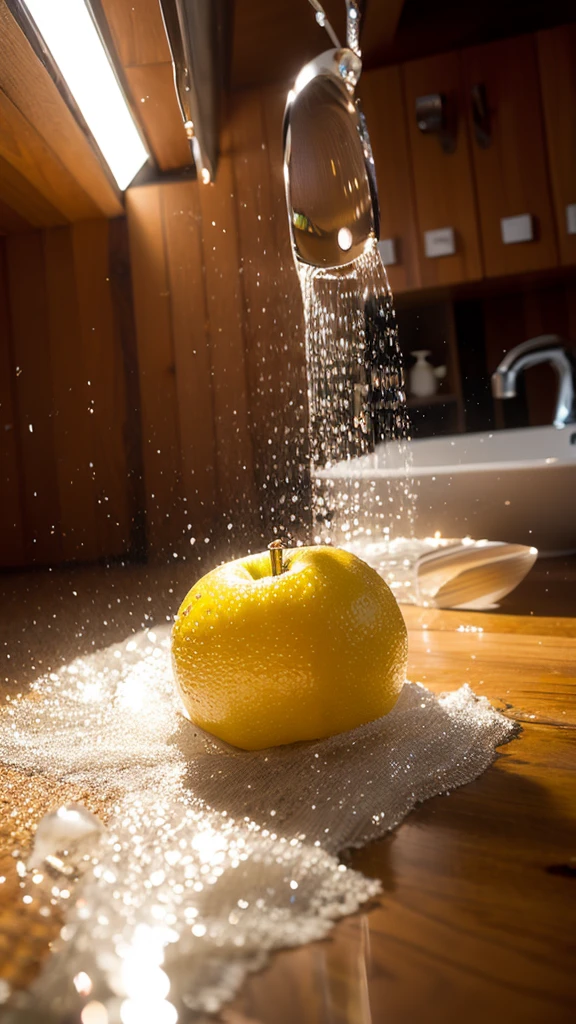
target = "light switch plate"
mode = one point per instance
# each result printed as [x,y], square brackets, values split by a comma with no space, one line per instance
[440,242]
[517,229]
[387,250]
[571,218]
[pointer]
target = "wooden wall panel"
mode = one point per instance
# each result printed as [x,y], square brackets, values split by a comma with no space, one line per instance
[383,106]
[198,462]
[11,519]
[192,351]
[66,369]
[443,182]
[226,315]
[101,343]
[159,400]
[73,402]
[557,59]
[511,174]
[122,299]
[34,400]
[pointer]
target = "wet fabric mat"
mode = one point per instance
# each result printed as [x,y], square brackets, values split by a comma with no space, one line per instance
[212,856]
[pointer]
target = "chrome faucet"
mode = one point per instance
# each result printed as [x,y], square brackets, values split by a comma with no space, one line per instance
[329,173]
[546,348]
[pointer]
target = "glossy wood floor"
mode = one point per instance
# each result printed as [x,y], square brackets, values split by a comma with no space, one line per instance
[477,916]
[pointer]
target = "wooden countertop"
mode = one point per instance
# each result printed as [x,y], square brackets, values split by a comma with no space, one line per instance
[476,920]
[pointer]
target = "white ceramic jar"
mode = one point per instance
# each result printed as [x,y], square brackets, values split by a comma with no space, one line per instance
[423,377]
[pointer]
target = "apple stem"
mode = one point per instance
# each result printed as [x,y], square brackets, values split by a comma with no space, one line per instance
[275,549]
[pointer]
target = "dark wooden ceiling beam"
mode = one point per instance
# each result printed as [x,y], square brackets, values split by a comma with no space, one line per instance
[273,40]
[380,26]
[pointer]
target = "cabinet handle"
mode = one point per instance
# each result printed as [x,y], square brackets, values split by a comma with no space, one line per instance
[481,115]
[433,118]
[517,229]
[439,242]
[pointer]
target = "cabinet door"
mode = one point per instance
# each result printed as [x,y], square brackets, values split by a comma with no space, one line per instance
[442,180]
[383,106]
[557,54]
[509,154]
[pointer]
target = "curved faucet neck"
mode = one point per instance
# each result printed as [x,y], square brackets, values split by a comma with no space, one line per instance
[546,348]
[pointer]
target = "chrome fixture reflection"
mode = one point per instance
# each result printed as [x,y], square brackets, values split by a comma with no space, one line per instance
[197,32]
[328,166]
[434,116]
[546,348]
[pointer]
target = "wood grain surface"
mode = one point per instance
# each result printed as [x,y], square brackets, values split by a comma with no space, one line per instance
[220,338]
[557,61]
[383,105]
[476,917]
[11,525]
[443,182]
[63,349]
[511,174]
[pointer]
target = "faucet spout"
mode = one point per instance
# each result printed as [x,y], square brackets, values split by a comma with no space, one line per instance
[546,348]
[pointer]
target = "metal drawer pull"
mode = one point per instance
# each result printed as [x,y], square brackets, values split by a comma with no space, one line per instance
[440,242]
[433,118]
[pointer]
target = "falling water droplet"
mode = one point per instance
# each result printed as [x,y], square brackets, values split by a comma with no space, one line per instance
[356,395]
[64,838]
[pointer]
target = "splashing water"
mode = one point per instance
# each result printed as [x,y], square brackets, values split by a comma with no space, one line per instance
[355,374]
[211,857]
[356,397]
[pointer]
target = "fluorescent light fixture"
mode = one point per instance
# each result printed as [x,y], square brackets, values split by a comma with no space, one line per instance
[74,42]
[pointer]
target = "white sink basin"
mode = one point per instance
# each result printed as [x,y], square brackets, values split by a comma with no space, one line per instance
[509,485]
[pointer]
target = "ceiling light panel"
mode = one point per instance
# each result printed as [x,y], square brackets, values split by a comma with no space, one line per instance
[75,44]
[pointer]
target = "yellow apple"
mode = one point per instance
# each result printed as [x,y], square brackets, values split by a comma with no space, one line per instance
[262,659]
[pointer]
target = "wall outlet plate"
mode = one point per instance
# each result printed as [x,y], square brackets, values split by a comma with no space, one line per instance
[440,242]
[387,250]
[517,229]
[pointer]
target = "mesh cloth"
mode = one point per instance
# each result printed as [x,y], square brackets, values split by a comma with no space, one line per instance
[212,856]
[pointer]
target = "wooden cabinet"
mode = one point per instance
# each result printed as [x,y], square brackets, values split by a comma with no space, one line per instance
[443,180]
[509,156]
[383,106]
[557,59]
